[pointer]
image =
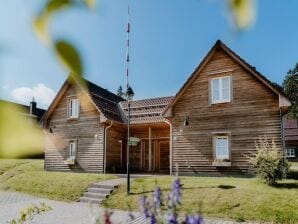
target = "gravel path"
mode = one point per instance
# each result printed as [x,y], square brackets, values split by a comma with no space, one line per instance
[66,213]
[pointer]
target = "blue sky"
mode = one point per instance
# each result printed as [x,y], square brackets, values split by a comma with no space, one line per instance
[169,38]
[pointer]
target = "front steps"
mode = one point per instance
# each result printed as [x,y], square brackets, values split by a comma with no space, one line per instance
[98,192]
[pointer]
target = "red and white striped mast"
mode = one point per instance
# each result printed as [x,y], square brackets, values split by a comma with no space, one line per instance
[127,47]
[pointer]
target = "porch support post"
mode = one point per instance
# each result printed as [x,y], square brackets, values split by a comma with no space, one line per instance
[150,149]
[171,146]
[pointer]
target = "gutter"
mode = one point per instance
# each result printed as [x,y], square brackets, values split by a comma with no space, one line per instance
[171,145]
[105,150]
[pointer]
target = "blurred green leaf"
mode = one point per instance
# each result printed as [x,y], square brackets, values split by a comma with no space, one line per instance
[68,56]
[244,12]
[55,5]
[91,4]
[40,23]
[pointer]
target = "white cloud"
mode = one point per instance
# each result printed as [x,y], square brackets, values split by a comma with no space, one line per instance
[43,95]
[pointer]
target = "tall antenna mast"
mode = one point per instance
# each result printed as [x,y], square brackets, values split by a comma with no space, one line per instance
[128,47]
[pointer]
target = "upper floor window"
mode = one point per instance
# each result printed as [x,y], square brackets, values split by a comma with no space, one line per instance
[291,152]
[222,149]
[221,89]
[73,108]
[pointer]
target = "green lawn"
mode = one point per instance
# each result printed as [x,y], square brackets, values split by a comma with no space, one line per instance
[294,166]
[228,197]
[29,177]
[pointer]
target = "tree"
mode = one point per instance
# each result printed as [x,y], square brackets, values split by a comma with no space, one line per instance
[290,86]
[120,91]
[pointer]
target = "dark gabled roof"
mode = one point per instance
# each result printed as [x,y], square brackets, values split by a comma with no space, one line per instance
[24,108]
[291,129]
[147,110]
[252,70]
[105,101]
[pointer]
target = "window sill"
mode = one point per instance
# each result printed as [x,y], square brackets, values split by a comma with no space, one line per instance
[70,162]
[220,102]
[221,164]
[72,118]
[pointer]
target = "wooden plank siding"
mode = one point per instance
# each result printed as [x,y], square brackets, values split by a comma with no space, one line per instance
[253,112]
[87,130]
[115,135]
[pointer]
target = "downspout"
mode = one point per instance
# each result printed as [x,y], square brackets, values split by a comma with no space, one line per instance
[171,145]
[282,118]
[105,150]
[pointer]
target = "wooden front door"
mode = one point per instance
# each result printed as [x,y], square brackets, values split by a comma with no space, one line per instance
[163,162]
[146,156]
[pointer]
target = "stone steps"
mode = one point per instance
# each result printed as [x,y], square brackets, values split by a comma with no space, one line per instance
[98,192]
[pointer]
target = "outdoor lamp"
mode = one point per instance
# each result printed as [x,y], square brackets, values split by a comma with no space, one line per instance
[186,121]
[129,94]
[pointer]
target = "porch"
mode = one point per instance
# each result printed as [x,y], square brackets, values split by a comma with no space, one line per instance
[150,155]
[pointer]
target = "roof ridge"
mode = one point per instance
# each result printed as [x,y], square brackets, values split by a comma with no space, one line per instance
[104,89]
[154,98]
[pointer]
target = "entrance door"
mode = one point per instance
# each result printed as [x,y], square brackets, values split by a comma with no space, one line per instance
[146,156]
[164,156]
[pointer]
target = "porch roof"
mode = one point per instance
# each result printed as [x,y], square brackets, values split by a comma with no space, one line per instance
[147,110]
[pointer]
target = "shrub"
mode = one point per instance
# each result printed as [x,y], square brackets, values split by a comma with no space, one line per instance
[269,163]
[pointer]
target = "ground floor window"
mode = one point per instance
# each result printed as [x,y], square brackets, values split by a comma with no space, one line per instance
[72,149]
[221,147]
[290,152]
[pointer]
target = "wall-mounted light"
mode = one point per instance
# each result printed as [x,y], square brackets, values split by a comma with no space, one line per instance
[186,121]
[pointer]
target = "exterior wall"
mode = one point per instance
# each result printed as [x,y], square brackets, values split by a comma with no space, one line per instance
[87,130]
[114,148]
[253,112]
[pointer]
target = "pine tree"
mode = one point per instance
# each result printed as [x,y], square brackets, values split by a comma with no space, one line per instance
[120,91]
[290,86]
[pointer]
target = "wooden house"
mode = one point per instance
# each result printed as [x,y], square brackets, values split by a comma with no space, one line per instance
[211,125]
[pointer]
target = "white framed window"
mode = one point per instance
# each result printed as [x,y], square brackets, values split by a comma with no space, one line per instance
[221,89]
[221,146]
[290,152]
[73,108]
[72,149]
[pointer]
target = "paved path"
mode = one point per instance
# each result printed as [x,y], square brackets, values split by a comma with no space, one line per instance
[65,213]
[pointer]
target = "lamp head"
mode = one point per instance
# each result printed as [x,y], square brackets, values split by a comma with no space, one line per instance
[129,94]
[186,121]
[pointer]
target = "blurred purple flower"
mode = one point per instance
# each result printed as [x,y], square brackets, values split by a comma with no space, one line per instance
[172,218]
[176,192]
[145,206]
[157,198]
[193,219]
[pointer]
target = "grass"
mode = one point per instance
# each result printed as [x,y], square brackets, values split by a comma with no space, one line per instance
[227,197]
[28,176]
[294,166]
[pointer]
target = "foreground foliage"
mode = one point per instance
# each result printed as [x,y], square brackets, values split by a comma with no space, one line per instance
[28,176]
[222,197]
[269,163]
[28,213]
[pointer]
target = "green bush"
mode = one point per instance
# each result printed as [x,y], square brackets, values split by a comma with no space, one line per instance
[269,163]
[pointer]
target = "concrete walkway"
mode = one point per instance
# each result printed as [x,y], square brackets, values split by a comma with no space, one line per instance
[67,213]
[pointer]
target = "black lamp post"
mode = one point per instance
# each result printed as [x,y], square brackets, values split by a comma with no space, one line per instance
[129,95]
